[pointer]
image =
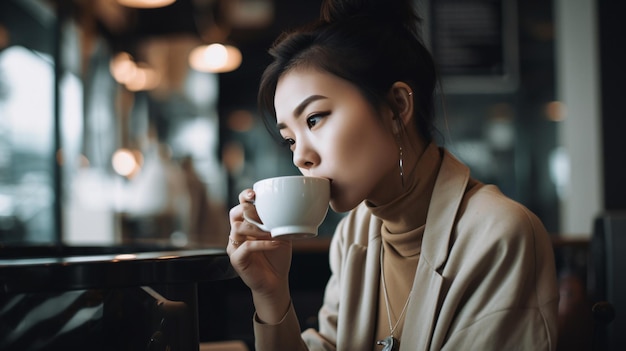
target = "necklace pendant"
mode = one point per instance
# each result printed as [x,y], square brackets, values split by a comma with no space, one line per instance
[389,344]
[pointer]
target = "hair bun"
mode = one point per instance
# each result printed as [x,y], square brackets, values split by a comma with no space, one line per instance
[396,11]
[334,10]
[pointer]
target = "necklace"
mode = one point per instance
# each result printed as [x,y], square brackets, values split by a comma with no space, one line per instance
[390,343]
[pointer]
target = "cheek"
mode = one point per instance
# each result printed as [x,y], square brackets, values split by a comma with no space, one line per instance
[373,149]
[361,158]
[361,134]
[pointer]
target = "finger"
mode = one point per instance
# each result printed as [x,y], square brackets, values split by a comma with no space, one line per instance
[243,230]
[246,205]
[234,243]
[246,196]
[260,242]
[249,246]
[262,245]
[236,217]
[235,240]
[236,213]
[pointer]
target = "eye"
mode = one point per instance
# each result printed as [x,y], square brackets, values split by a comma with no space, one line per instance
[288,142]
[314,119]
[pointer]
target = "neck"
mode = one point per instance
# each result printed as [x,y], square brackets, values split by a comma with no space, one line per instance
[408,210]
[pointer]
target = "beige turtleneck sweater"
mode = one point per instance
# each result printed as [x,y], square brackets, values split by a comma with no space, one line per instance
[402,230]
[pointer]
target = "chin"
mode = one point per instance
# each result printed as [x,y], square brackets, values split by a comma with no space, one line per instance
[340,207]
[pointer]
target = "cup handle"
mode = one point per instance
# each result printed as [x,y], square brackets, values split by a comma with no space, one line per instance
[260,225]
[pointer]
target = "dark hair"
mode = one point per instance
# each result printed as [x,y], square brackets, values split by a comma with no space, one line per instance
[370,43]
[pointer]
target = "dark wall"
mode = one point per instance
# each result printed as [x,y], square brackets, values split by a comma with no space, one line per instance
[612,32]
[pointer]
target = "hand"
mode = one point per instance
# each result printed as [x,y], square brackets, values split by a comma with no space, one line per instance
[262,262]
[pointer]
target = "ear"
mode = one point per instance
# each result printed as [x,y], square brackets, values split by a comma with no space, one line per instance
[401,96]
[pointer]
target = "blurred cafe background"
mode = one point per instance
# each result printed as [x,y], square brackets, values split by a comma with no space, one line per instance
[130,122]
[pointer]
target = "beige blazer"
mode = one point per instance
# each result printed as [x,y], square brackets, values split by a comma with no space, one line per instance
[485,279]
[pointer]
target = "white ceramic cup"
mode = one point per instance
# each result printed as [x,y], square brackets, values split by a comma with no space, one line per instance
[291,206]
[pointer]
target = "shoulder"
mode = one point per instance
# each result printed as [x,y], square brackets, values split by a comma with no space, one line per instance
[485,206]
[490,221]
[499,248]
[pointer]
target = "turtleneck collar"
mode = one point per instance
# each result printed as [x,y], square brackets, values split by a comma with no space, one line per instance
[404,217]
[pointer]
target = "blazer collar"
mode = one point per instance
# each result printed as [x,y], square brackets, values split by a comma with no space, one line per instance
[447,195]
[423,310]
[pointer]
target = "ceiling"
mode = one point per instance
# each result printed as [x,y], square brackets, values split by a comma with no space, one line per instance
[251,25]
[240,22]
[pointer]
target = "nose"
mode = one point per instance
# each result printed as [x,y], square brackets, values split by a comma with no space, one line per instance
[304,156]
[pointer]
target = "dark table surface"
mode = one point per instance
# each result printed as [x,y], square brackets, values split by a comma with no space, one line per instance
[61,268]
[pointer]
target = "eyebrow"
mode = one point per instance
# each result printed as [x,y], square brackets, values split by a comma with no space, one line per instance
[298,110]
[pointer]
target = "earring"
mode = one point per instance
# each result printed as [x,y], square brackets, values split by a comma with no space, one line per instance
[401,168]
[396,131]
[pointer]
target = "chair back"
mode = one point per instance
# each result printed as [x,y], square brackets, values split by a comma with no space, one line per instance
[607,281]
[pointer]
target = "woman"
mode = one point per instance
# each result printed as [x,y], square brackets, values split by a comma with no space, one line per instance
[427,257]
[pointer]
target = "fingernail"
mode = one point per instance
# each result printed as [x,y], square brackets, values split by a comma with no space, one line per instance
[249,194]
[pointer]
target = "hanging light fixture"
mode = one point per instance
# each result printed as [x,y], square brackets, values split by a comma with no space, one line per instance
[146,4]
[127,162]
[215,58]
[134,76]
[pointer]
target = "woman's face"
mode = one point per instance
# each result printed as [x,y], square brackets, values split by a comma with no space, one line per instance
[335,133]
